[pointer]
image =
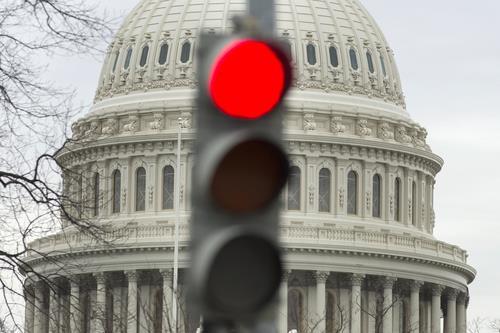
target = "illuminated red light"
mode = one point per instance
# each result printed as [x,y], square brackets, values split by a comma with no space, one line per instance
[248,79]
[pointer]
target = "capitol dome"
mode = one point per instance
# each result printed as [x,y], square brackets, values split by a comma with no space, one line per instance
[358,212]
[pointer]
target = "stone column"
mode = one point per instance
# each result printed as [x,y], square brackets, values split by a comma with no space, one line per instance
[53,307]
[461,313]
[388,304]
[356,280]
[436,308]
[29,308]
[100,318]
[38,326]
[167,320]
[132,301]
[74,309]
[283,307]
[321,278]
[451,311]
[415,305]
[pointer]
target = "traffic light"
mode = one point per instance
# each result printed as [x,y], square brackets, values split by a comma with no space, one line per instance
[239,173]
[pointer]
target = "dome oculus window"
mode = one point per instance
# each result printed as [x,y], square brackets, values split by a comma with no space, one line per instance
[369,59]
[311,54]
[334,56]
[144,56]
[168,188]
[354,59]
[324,186]
[162,59]
[186,52]
[140,189]
[126,65]
[293,197]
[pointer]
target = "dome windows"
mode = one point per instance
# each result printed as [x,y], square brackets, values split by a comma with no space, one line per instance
[369,60]
[414,203]
[324,186]
[397,199]
[311,54]
[115,62]
[140,189]
[116,191]
[333,56]
[352,193]
[293,197]
[185,52]
[382,64]
[144,56]
[163,57]
[353,57]
[128,58]
[376,199]
[168,188]
[96,194]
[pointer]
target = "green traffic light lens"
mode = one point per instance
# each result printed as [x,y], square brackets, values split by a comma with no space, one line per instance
[249,177]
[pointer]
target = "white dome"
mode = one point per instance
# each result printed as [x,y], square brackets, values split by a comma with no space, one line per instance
[339,53]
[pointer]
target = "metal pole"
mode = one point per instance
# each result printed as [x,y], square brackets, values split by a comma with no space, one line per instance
[177,222]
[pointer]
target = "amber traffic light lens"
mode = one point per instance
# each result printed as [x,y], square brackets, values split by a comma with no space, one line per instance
[248,79]
[250,176]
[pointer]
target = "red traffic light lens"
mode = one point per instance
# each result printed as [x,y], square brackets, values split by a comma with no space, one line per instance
[248,79]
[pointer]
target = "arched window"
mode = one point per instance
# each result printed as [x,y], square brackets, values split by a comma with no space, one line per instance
[295,310]
[96,194]
[354,59]
[382,64]
[140,189]
[115,62]
[117,184]
[144,56]
[162,58]
[168,188]
[414,203]
[369,59]
[293,200]
[376,202]
[397,199]
[311,54]
[185,52]
[331,308]
[352,193]
[126,65]
[334,56]
[325,181]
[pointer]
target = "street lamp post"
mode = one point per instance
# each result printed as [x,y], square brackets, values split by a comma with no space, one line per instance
[177,223]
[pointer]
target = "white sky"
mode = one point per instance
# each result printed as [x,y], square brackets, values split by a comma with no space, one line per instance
[448,53]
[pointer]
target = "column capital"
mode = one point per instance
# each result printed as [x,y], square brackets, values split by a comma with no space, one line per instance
[100,277]
[132,276]
[388,282]
[321,276]
[167,274]
[451,294]
[356,279]
[415,285]
[437,289]
[285,275]
[462,298]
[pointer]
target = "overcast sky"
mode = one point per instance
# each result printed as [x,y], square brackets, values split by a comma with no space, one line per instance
[448,53]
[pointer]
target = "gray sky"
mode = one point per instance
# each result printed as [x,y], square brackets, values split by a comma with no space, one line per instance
[448,53]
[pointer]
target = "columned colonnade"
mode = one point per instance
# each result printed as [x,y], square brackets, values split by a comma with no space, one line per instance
[140,301]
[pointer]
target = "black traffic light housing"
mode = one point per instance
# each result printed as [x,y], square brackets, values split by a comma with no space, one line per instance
[238,176]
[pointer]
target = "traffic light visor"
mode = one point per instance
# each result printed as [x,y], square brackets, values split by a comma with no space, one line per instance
[248,78]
